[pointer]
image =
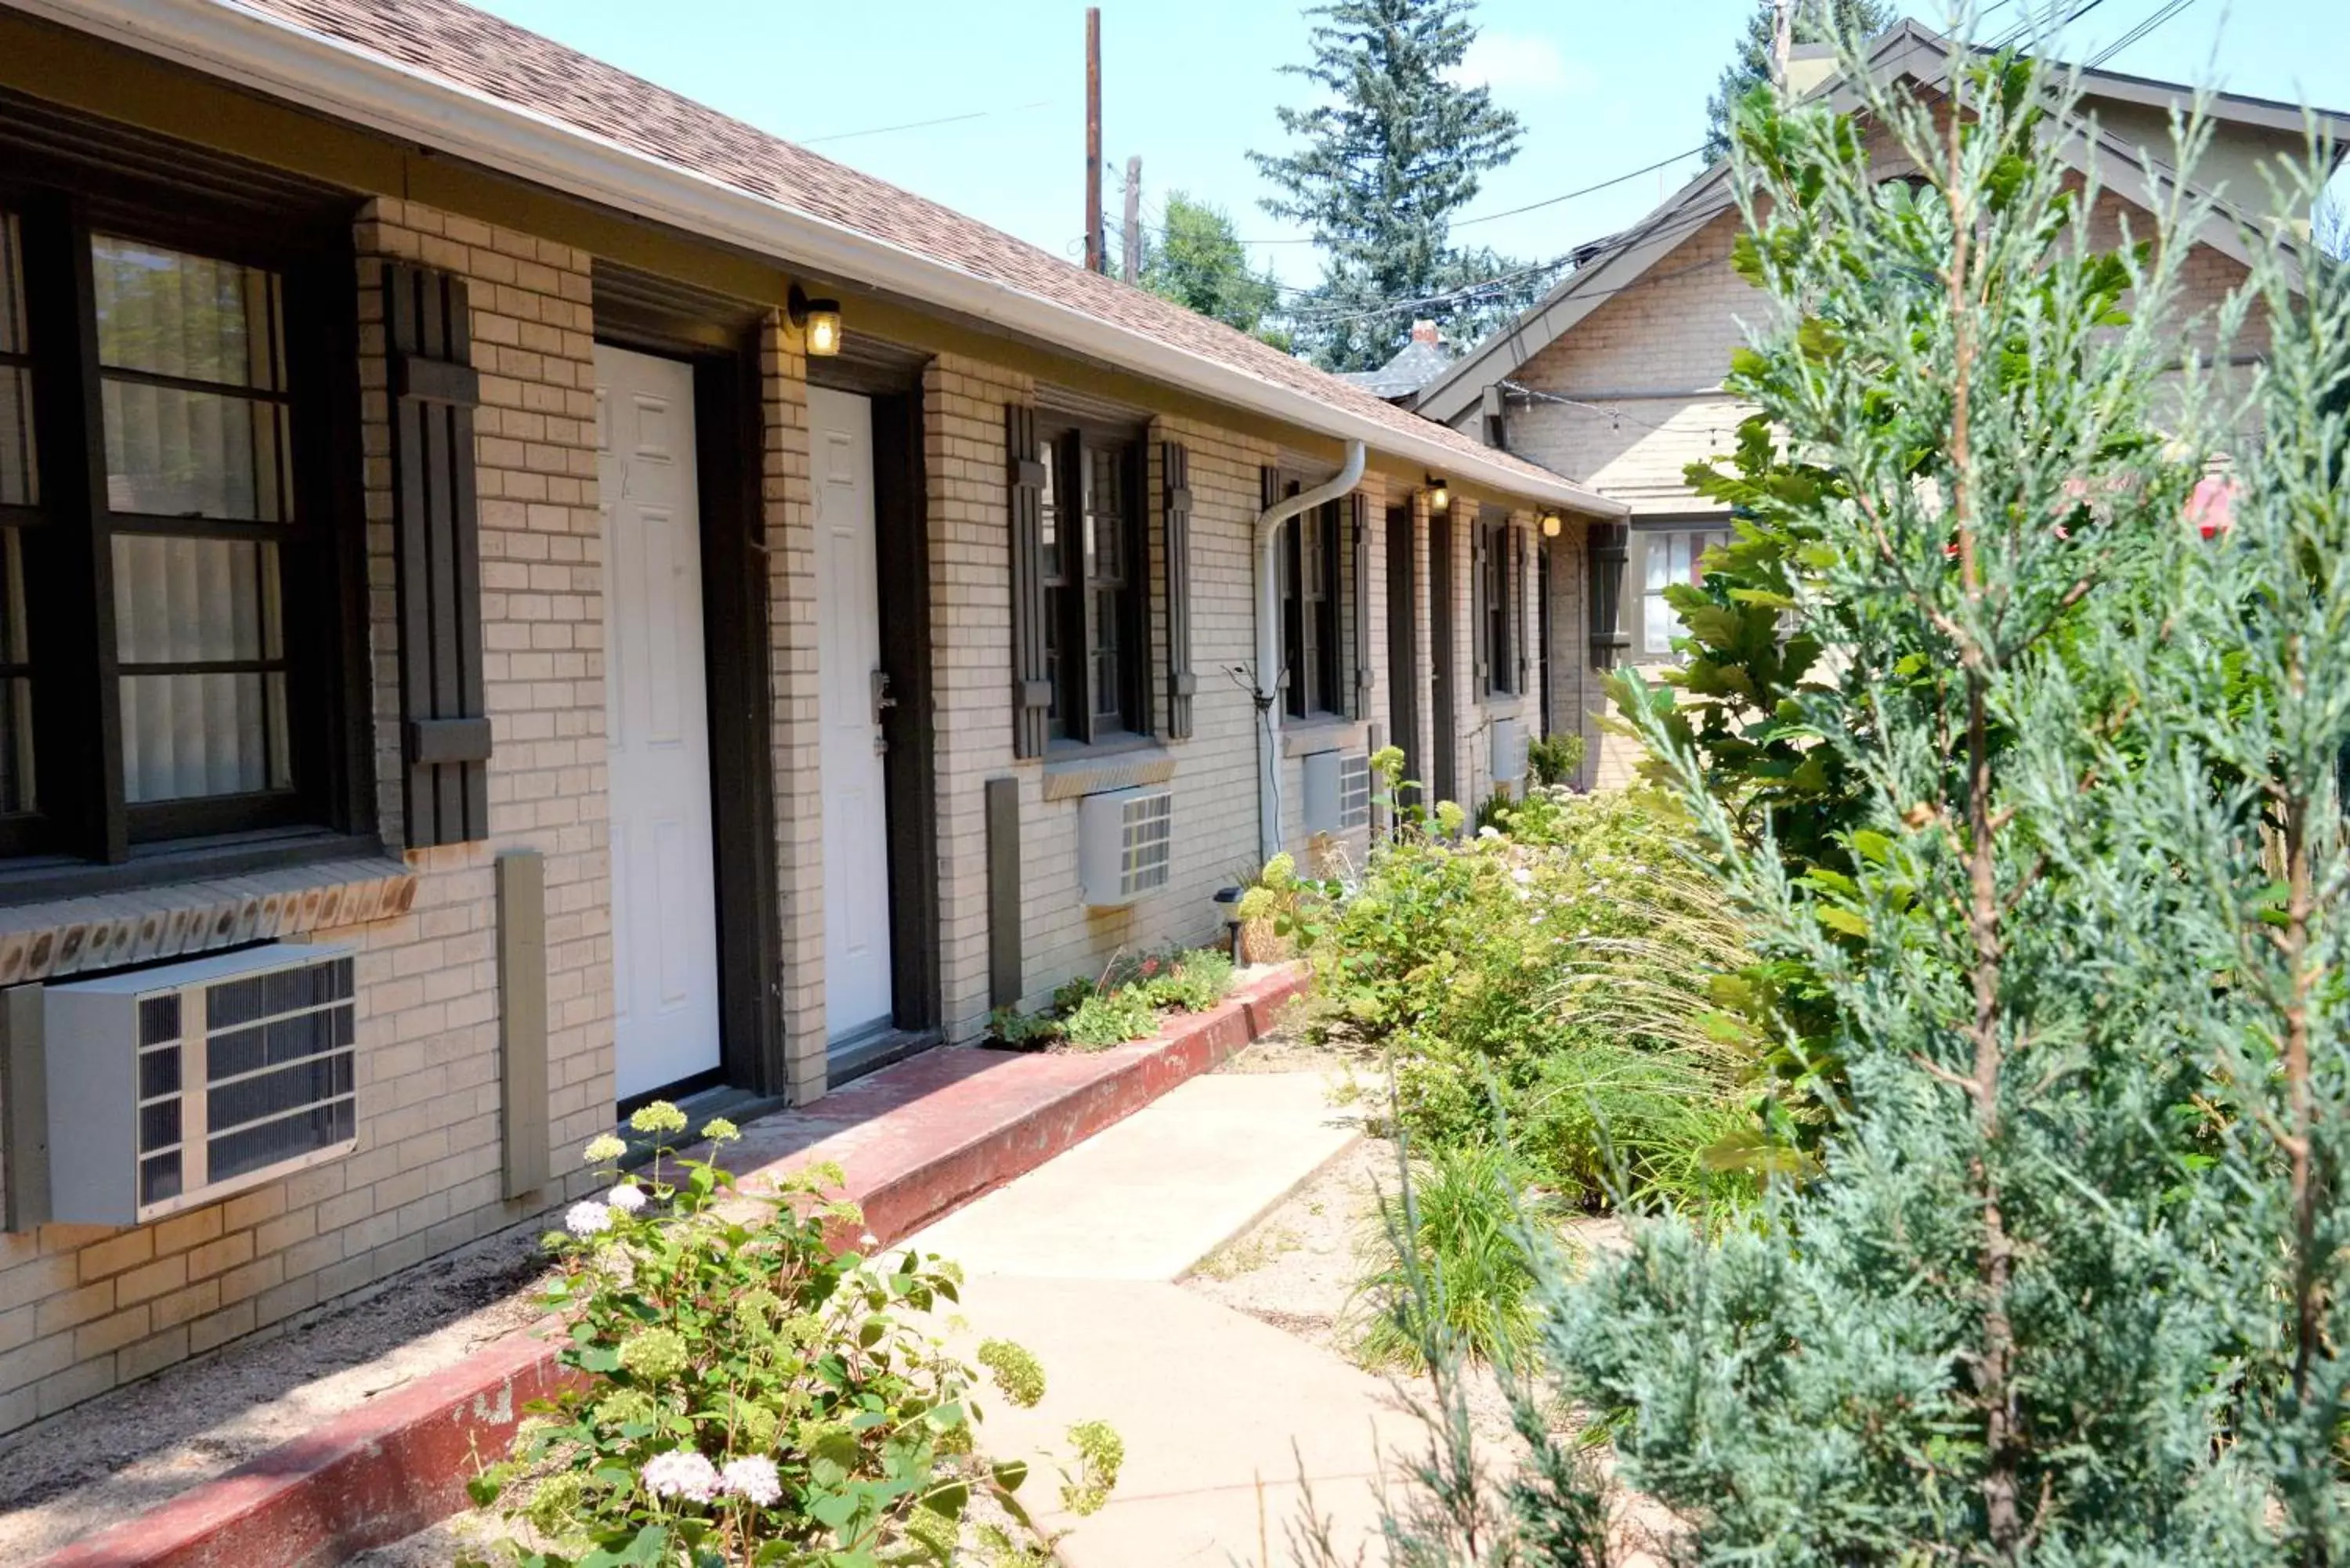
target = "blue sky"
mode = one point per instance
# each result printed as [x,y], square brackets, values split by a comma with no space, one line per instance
[1604,87]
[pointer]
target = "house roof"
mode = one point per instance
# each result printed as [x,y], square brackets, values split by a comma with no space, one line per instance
[1415,365]
[457,79]
[1907,50]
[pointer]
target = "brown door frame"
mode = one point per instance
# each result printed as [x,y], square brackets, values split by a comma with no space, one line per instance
[1403,642]
[1444,780]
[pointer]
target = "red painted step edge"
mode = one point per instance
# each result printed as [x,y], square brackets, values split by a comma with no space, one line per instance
[378,1474]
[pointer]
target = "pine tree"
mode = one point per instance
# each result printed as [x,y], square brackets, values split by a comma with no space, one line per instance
[1198,262]
[1383,170]
[1814,22]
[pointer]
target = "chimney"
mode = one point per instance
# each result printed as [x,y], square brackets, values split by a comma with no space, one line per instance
[1425,332]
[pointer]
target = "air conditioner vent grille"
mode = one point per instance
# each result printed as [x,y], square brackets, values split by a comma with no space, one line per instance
[1354,792]
[1126,845]
[1148,845]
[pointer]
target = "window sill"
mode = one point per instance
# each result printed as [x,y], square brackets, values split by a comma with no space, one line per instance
[1072,770]
[1323,732]
[204,907]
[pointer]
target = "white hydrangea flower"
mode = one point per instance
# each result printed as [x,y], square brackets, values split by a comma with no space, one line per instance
[753,1478]
[1521,876]
[603,1149]
[627,1197]
[681,1473]
[587,1217]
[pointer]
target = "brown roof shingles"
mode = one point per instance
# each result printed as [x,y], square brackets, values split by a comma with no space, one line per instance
[484,54]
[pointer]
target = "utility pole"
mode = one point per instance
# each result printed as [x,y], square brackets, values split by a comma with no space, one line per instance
[1782,41]
[1094,259]
[1133,267]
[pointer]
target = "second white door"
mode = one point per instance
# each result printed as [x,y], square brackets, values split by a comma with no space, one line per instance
[857,968]
[657,725]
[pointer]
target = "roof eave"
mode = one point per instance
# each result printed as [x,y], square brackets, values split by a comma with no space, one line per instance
[271,56]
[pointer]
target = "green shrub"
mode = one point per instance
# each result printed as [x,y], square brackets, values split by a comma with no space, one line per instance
[744,1392]
[1106,1018]
[1468,1285]
[1555,759]
[1190,982]
[1567,970]
[1023,1031]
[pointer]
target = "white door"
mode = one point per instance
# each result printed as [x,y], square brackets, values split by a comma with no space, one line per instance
[848,655]
[656,725]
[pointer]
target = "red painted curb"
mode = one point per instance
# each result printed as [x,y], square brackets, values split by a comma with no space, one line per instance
[914,1140]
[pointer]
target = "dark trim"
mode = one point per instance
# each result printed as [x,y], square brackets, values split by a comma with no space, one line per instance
[1543,624]
[1004,925]
[1031,684]
[1175,564]
[1444,660]
[1403,640]
[709,1078]
[231,855]
[729,435]
[870,1052]
[901,538]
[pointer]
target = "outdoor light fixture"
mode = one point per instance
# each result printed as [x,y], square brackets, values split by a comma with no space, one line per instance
[1228,905]
[818,321]
[1551,524]
[1439,497]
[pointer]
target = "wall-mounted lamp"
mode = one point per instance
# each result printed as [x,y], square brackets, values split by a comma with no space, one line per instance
[818,321]
[1551,524]
[1439,497]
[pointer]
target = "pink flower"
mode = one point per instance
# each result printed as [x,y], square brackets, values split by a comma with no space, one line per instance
[2211,510]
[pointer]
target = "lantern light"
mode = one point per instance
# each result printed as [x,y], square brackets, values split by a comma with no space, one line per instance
[1439,497]
[1551,524]
[818,321]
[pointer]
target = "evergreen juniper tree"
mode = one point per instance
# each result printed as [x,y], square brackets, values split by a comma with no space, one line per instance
[1383,169]
[2070,1283]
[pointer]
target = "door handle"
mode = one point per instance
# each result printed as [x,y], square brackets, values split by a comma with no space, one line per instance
[882,701]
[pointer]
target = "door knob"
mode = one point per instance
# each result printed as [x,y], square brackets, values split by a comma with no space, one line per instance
[882,701]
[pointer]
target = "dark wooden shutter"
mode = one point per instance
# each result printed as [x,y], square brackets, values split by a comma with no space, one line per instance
[1359,601]
[436,531]
[1032,681]
[1175,521]
[1480,630]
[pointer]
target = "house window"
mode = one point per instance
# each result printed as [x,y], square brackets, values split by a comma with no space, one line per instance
[1094,582]
[166,658]
[1311,593]
[1497,607]
[1669,556]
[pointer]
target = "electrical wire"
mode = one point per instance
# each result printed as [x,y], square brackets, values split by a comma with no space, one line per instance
[923,124]
[2144,30]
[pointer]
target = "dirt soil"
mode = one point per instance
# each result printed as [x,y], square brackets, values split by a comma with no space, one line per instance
[140,1445]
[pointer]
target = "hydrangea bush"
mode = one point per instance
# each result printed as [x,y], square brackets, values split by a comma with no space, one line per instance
[747,1394]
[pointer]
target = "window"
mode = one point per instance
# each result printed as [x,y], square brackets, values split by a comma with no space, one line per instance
[167,667]
[1669,556]
[1310,595]
[1497,605]
[1094,577]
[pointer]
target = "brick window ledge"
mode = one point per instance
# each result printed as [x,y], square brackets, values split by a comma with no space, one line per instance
[1324,733]
[140,925]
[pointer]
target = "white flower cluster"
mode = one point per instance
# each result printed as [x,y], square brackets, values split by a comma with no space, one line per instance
[627,1197]
[684,1474]
[587,1217]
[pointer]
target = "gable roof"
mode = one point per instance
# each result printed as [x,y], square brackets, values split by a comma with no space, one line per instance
[1415,365]
[1907,50]
[456,80]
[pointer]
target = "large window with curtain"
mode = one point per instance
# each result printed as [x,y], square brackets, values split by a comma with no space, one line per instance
[1669,556]
[169,664]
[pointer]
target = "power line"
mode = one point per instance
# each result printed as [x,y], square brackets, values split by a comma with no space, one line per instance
[924,124]
[2145,29]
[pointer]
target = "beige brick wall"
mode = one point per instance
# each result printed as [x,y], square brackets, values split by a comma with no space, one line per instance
[83,1309]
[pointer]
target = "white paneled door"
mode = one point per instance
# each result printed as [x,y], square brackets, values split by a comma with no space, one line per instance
[848,658]
[657,724]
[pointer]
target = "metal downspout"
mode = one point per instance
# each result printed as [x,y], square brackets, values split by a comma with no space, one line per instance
[1270,678]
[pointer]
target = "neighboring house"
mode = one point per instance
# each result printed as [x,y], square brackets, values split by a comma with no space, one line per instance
[663,611]
[1614,377]
[1420,360]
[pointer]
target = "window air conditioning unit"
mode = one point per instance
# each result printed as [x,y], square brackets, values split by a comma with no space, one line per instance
[1509,751]
[1337,791]
[175,1086]
[1126,845]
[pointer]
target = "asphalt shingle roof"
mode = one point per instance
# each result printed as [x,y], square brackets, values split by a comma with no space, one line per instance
[483,53]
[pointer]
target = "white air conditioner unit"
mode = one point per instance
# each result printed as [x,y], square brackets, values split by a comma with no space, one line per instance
[1337,791]
[1509,750]
[1126,845]
[175,1086]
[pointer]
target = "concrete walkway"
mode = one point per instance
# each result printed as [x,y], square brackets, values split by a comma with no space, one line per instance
[1219,1413]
